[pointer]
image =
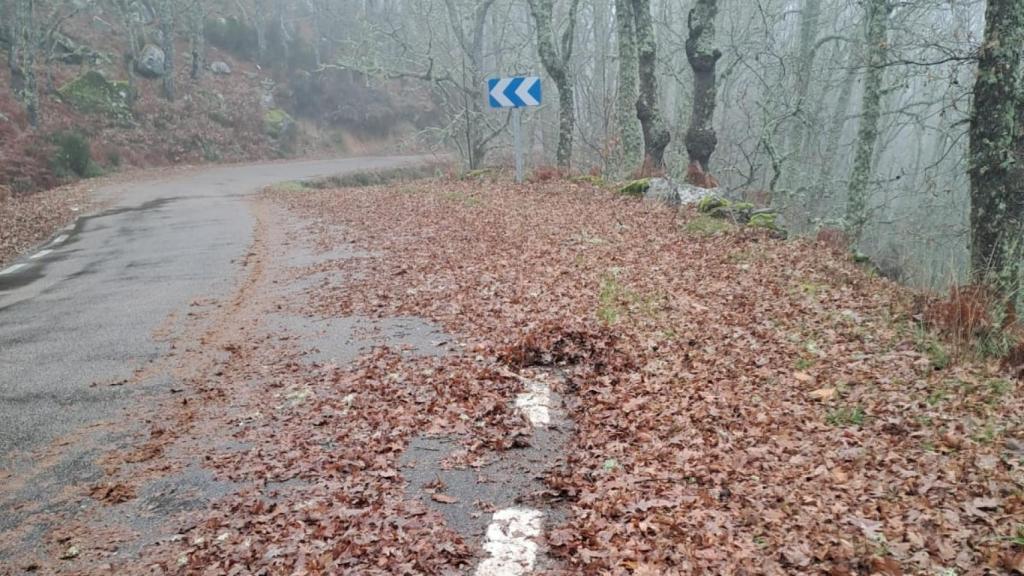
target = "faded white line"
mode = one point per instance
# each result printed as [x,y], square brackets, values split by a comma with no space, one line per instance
[13,269]
[510,543]
[59,240]
[535,403]
[41,254]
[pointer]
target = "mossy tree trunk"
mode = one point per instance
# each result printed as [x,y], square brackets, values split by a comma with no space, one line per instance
[166,14]
[197,37]
[632,138]
[556,61]
[701,139]
[877,18]
[656,135]
[21,58]
[133,34]
[997,150]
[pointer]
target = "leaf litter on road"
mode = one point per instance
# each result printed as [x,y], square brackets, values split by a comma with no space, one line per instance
[740,404]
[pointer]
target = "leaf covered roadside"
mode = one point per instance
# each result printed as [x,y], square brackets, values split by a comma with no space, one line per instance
[742,404]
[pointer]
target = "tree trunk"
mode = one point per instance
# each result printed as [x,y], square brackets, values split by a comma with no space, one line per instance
[556,63]
[166,8]
[632,138]
[197,38]
[871,111]
[701,139]
[656,136]
[22,59]
[997,150]
[810,22]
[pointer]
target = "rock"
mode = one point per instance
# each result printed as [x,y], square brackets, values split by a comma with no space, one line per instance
[151,62]
[636,188]
[666,191]
[277,123]
[220,68]
[92,93]
[662,190]
[738,212]
[765,220]
[689,194]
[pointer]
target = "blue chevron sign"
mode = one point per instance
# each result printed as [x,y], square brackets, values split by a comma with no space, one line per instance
[514,92]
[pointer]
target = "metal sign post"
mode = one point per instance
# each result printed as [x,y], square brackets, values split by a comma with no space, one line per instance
[517,139]
[515,93]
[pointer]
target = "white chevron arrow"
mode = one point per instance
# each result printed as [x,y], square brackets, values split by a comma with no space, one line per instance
[498,93]
[523,92]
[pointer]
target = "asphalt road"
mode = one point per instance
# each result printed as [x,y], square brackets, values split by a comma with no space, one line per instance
[83,315]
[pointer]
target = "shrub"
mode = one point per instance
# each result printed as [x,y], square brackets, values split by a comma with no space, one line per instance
[72,156]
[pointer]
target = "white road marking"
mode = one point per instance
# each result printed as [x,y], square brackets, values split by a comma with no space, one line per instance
[59,240]
[535,403]
[511,543]
[41,254]
[13,269]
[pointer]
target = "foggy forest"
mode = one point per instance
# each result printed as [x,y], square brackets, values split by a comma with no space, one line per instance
[503,287]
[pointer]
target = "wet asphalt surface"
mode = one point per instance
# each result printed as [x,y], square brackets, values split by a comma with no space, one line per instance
[82,317]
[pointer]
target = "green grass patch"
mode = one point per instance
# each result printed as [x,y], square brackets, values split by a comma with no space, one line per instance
[705,225]
[927,344]
[368,178]
[846,416]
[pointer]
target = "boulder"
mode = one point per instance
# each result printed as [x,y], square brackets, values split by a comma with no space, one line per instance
[151,61]
[277,123]
[636,188]
[220,68]
[667,191]
[92,93]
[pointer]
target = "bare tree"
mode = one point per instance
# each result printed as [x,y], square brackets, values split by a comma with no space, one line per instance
[876,17]
[197,37]
[632,137]
[21,58]
[165,11]
[556,62]
[656,135]
[703,56]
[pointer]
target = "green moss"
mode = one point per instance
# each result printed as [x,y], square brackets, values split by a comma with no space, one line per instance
[93,94]
[636,188]
[277,122]
[592,180]
[765,220]
[711,204]
[706,225]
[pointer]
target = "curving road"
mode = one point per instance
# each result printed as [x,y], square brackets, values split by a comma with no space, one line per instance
[79,314]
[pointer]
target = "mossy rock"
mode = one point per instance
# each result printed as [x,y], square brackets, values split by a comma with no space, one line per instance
[636,188]
[765,221]
[707,225]
[277,123]
[713,204]
[92,93]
